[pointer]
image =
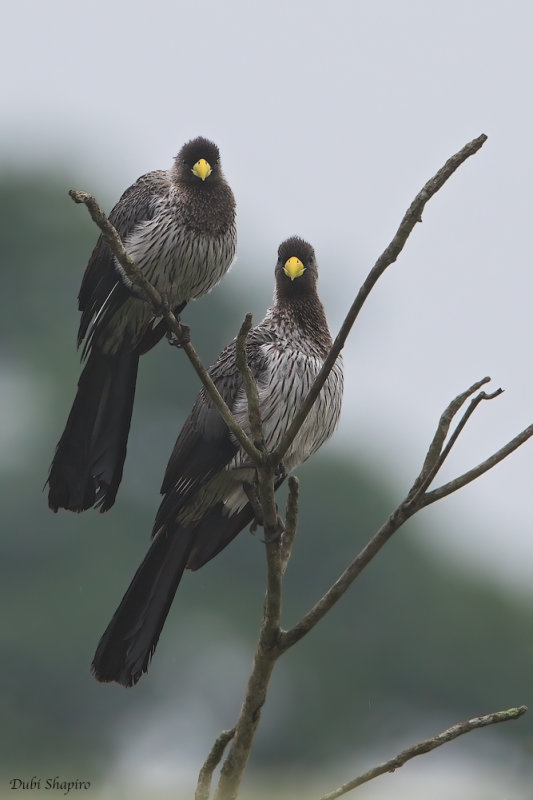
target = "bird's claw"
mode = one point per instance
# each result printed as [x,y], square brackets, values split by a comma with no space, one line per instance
[277,532]
[259,521]
[184,336]
[281,472]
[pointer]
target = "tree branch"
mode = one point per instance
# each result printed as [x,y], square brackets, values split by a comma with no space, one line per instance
[291,523]
[212,761]
[476,472]
[426,746]
[250,386]
[416,499]
[266,653]
[160,309]
[388,257]
[436,455]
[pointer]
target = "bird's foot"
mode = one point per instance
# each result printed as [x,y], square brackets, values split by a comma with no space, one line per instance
[275,534]
[281,472]
[259,520]
[184,336]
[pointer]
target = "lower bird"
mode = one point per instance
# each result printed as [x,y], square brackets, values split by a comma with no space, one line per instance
[207,499]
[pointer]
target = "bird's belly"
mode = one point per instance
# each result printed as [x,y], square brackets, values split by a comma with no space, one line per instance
[179,264]
[281,397]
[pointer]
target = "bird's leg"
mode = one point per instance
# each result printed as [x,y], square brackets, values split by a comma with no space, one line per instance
[278,530]
[251,493]
[281,472]
[250,490]
[174,339]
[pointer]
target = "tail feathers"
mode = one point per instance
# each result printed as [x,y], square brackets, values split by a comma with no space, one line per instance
[215,532]
[125,649]
[87,466]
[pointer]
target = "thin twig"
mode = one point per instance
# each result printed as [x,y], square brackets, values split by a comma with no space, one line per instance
[291,523]
[250,386]
[212,761]
[160,309]
[426,746]
[388,257]
[476,472]
[436,454]
[461,424]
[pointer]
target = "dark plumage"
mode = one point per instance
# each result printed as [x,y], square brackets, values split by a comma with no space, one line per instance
[205,505]
[178,225]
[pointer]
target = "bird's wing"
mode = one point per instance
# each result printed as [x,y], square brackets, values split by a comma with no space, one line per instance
[103,287]
[217,529]
[205,445]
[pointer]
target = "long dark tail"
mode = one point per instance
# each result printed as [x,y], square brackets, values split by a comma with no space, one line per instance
[87,466]
[125,649]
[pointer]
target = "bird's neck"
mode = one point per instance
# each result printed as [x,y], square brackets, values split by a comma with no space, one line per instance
[306,314]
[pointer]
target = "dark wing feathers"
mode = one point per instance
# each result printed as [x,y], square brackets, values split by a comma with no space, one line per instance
[101,284]
[205,445]
[217,530]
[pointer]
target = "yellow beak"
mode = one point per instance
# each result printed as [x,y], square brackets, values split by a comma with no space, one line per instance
[202,169]
[293,268]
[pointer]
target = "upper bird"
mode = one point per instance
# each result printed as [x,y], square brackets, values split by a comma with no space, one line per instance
[178,225]
[207,482]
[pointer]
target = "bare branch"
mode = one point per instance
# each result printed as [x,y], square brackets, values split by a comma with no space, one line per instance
[160,309]
[426,746]
[267,651]
[388,257]
[476,472]
[250,386]
[237,758]
[461,424]
[291,523]
[336,591]
[416,499]
[212,761]
[436,455]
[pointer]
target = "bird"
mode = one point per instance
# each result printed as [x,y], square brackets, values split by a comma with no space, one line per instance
[178,226]
[206,487]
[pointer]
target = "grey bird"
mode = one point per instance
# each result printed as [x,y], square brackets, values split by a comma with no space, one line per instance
[207,499]
[178,225]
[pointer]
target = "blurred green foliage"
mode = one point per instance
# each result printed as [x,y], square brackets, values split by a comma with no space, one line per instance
[412,642]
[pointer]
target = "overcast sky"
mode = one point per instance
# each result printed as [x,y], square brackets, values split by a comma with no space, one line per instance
[330,117]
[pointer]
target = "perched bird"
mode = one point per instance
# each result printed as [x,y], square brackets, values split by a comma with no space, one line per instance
[178,225]
[207,482]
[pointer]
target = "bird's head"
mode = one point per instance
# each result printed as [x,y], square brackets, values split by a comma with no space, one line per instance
[198,162]
[296,268]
